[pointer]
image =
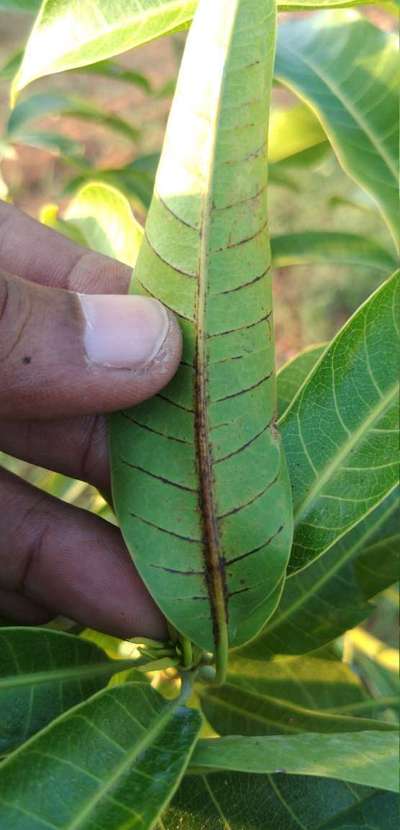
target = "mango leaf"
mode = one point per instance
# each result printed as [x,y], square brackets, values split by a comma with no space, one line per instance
[49,215]
[286,696]
[285,802]
[104,218]
[199,480]
[43,673]
[51,141]
[67,35]
[341,430]
[367,758]
[115,72]
[293,374]
[291,131]
[321,602]
[9,68]
[135,180]
[44,104]
[357,106]
[314,247]
[113,761]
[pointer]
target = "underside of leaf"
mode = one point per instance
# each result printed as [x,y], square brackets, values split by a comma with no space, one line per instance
[200,483]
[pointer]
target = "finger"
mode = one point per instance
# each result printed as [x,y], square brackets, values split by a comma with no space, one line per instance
[70,562]
[65,354]
[76,447]
[39,254]
[14,608]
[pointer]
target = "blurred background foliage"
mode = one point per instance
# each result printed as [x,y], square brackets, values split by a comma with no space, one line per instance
[107,122]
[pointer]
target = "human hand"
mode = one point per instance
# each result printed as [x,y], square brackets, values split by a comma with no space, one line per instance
[67,353]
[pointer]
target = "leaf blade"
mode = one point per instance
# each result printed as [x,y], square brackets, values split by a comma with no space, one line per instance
[357,412]
[366,758]
[238,801]
[109,773]
[309,247]
[321,602]
[204,433]
[43,672]
[362,130]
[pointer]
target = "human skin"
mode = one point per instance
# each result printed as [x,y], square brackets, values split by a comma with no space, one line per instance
[72,347]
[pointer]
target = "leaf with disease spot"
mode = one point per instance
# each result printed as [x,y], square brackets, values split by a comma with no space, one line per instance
[43,673]
[341,430]
[114,761]
[200,483]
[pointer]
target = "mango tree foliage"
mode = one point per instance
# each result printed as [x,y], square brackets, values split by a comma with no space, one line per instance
[291,695]
[333,594]
[68,34]
[104,218]
[341,429]
[199,479]
[327,60]
[43,673]
[324,247]
[113,761]
[293,130]
[294,373]
[367,758]
[240,801]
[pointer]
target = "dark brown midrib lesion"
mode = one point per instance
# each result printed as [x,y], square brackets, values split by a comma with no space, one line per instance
[214,565]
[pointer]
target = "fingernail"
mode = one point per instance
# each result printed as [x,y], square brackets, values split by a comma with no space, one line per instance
[123,332]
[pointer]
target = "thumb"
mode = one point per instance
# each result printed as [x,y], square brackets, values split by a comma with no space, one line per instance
[64,354]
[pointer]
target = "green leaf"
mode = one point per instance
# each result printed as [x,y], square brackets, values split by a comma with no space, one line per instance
[8,69]
[314,247]
[67,34]
[293,374]
[134,180]
[42,673]
[115,72]
[54,142]
[367,758]
[287,696]
[104,218]
[291,131]
[235,801]
[322,601]
[341,430]
[49,215]
[326,60]
[111,762]
[199,479]
[44,104]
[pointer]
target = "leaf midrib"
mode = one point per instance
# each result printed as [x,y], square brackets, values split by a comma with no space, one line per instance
[348,445]
[320,716]
[139,747]
[214,566]
[64,674]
